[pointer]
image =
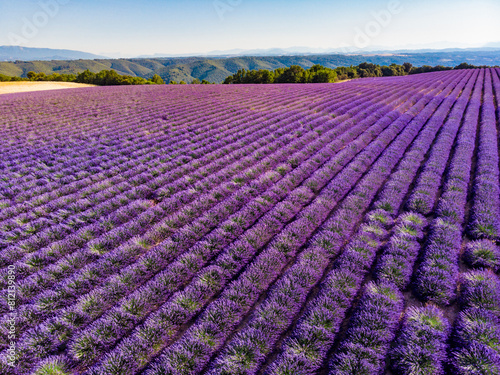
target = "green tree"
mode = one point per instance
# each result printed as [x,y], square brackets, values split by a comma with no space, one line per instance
[236,78]
[41,77]
[86,77]
[346,72]
[264,76]
[389,71]
[293,74]
[324,76]
[407,67]
[31,75]
[157,80]
[109,78]
[320,74]
[369,70]
[465,65]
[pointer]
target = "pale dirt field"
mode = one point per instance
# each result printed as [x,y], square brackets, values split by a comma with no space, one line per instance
[24,86]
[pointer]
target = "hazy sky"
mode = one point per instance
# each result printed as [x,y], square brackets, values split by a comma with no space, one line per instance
[140,27]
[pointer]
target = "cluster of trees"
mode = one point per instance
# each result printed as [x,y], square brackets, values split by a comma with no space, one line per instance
[321,74]
[112,78]
[4,78]
[195,81]
[317,74]
[54,77]
[428,68]
[103,78]
[293,74]
[372,70]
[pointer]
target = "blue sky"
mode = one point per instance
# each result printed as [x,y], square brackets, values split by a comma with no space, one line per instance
[130,28]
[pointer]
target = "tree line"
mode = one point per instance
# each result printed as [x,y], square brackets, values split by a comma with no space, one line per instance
[321,74]
[292,74]
[102,78]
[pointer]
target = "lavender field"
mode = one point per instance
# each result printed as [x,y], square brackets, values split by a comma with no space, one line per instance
[345,228]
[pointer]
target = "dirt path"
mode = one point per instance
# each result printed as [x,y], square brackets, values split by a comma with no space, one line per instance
[25,86]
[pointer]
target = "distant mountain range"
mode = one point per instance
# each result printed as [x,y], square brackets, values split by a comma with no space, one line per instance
[18,53]
[253,52]
[217,68]
[295,51]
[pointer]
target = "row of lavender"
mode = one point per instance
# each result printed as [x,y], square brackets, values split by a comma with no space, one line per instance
[421,345]
[424,345]
[285,249]
[165,248]
[363,349]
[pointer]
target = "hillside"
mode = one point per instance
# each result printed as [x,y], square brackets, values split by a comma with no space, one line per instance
[216,69]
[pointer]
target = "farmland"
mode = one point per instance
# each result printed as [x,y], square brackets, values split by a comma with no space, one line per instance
[13,87]
[252,229]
